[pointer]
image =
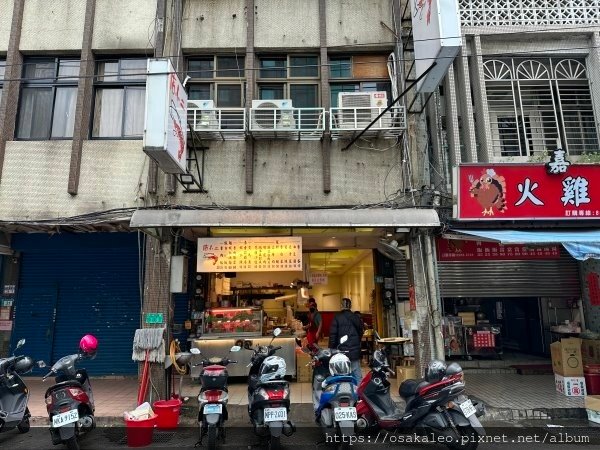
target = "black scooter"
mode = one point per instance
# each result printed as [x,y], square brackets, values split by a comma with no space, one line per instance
[14,395]
[70,402]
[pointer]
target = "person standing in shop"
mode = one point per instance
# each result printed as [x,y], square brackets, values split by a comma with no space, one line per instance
[347,323]
[315,323]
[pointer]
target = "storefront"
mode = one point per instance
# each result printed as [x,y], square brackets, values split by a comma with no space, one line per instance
[78,283]
[252,271]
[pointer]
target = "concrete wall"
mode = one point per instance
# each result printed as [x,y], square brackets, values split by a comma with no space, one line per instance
[6,8]
[568,43]
[351,22]
[111,173]
[124,25]
[291,23]
[358,282]
[210,24]
[49,26]
[289,173]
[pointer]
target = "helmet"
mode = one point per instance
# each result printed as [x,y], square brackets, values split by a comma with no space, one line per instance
[346,303]
[436,370]
[24,365]
[453,369]
[379,359]
[339,364]
[88,345]
[272,368]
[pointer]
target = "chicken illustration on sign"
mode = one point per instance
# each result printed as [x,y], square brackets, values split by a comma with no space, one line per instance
[490,191]
[420,7]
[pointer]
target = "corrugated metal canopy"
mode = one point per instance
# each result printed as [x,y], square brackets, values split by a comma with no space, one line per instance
[372,217]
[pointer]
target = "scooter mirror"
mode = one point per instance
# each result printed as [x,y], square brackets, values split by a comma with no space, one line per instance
[20,344]
[41,364]
[195,351]
[343,339]
[276,332]
[235,348]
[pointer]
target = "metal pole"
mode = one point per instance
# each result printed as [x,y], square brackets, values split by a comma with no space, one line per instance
[404,92]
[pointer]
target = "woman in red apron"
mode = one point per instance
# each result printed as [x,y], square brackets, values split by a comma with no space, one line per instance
[315,323]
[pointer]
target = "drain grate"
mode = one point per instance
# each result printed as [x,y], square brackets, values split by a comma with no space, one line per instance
[119,436]
[163,436]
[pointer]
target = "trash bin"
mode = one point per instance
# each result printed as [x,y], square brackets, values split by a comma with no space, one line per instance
[591,373]
[168,413]
[139,432]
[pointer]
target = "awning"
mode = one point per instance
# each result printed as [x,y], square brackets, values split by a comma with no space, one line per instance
[371,217]
[581,244]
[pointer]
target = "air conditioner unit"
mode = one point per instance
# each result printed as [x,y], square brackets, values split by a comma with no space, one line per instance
[205,118]
[358,117]
[272,115]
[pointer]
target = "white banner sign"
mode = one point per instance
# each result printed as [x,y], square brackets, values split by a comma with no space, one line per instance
[318,278]
[256,254]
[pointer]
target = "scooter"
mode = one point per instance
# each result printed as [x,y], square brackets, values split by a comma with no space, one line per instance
[438,407]
[14,395]
[334,394]
[268,393]
[213,397]
[70,402]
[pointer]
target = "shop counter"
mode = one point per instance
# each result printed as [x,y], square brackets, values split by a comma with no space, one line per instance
[220,347]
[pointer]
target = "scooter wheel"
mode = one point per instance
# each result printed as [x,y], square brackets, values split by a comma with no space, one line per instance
[72,443]
[275,443]
[212,437]
[24,426]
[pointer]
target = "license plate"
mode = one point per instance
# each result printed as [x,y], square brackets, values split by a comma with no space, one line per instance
[275,414]
[213,408]
[65,418]
[344,413]
[467,408]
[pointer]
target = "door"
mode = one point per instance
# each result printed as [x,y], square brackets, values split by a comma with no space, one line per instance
[35,321]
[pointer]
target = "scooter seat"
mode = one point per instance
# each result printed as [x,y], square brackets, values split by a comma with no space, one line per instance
[409,388]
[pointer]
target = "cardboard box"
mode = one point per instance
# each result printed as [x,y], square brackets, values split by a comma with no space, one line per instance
[566,357]
[406,373]
[303,372]
[468,318]
[590,351]
[570,386]
[592,407]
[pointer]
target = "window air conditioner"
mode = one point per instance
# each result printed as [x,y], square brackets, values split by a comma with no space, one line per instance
[357,117]
[206,117]
[272,115]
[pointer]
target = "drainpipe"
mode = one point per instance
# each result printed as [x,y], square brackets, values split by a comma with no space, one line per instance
[434,298]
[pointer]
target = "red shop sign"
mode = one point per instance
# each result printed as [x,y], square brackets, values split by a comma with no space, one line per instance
[459,250]
[527,191]
[593,288]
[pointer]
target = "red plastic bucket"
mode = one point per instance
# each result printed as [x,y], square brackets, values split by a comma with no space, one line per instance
[168,413]
[139,432]
[591,373]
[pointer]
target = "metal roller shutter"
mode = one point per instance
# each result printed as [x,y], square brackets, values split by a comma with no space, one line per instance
[95,280]
[532,278]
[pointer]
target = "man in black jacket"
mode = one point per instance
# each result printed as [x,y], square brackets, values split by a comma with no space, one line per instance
[347,323]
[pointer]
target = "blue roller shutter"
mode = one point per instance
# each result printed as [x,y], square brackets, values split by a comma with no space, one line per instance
[95,278]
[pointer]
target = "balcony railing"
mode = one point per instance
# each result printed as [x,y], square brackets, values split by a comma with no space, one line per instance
[346,122]
[218,123]
[488,13]
[294,123]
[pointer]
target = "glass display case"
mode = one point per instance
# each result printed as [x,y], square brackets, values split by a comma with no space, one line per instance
[232,322]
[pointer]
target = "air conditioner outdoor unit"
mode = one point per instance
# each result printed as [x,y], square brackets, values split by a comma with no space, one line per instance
[273,115]
[357,117]
[206,117]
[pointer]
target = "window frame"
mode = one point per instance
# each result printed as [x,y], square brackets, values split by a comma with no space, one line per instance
[216,81]
[53,84]
[123,82]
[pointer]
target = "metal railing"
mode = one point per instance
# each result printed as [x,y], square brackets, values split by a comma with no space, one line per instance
[292,123]
[343,122]
[218,123]
[486,13]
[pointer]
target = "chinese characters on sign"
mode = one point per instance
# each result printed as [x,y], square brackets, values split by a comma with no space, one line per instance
[528,191]
[318,278]
[462,250]
[257,254]
[558,164]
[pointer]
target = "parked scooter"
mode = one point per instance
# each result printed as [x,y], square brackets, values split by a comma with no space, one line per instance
[334,393]
[70,402]
[268,393]
[14,395]
[435,405]
[213,397]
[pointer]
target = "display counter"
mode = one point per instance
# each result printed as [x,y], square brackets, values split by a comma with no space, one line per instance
[229,322]
[220,345]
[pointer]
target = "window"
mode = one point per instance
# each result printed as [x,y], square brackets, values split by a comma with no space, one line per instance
[48,96]
[120,98]
[292,77]
[2,69]
[533,103]
[218,78]
[358,73]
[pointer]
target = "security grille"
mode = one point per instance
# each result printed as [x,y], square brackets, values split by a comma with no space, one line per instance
[535,103]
